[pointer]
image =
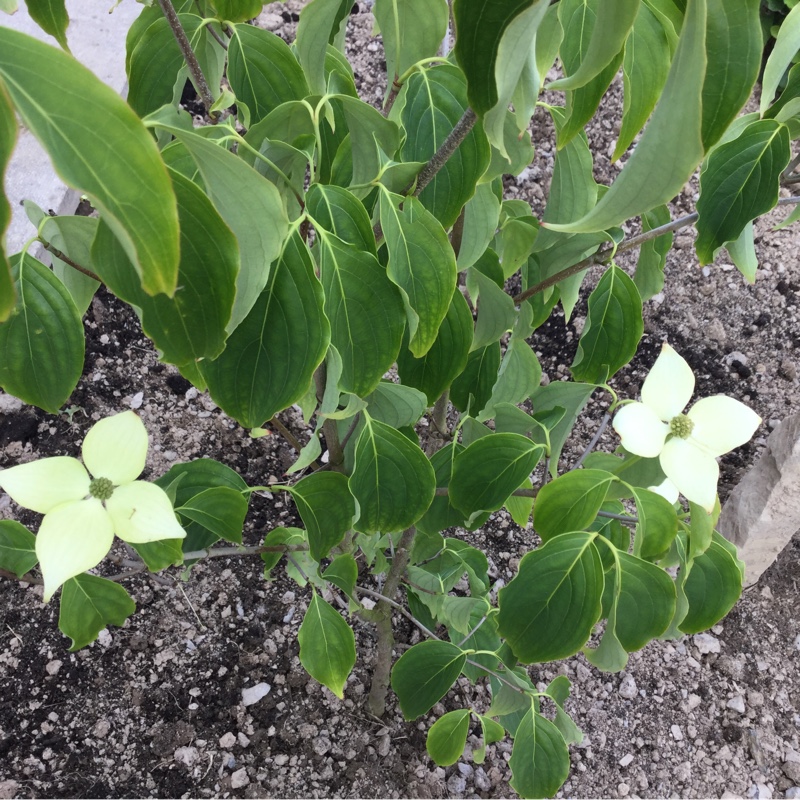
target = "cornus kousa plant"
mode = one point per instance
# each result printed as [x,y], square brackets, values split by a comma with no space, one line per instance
[298,246]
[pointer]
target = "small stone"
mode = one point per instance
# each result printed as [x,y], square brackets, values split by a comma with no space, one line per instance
[53,667]
[626,760]
[677,733]
[384,745]
[693,700]
[242,739]
[623,790]
[227,740]
[627,688]
[322,744]
[788,370]
[270,21]
[281,760]
[706,643]
[9,405]
[792,793]
[252,694]
[101,729]
[481,780]
[188,756]
[137,400]
[8,789]
[791,769]
[736,704]
[457,784]
[239,779]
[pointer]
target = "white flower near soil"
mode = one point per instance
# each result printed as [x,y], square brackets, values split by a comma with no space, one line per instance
[687,445]
[82,513]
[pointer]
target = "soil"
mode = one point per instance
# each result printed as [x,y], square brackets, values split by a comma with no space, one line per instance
[154,709]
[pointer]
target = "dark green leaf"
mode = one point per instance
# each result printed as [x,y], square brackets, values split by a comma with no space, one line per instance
[160,555]
[477,379]
[319,26]
[549,609]
[238,10]
[397,405]
[220,510]
[649,276]
[496,310]
[17,548]
[481,216]
[786,46]
[539,760]
[88,604]
[279,537]
[327,645]
[340,212]
[447,737]
[392,481]
[614,326]
[558,691]
[740,182]
[51,16]
[343,573]
[326,508]
[41,344]
[658,525]
[423,674]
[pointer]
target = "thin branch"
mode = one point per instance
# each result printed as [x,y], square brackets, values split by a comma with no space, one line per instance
[221,42]
[473,631]
[392,96]
[443,492]
[27,578]
[448,147]
[793,164]
[351,430]
[294,563]
[68,261]
[790,180]
[595,439]
[232,552]
[188,55]
[410,617]
[606,254]
[621,517]
[286,433]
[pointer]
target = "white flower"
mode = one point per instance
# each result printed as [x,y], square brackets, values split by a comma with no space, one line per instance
[687,445]
[83,514]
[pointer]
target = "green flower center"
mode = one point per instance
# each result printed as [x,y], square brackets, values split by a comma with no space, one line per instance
[101,488]
[681,426]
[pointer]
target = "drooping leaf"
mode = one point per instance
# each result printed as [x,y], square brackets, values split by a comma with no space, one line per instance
[435,100]
[373,138]
[424,673]
[343,573]
[496,310]
[549,609]
[614,326]
[340,212]
[481,215]
[8,137]
[131,190]
[558,691]
[327,645]
[570,502]
[88,604]
[41,344]
[326,508]
[447,357]
[393,482]
[477,379]
[319,26]
[649,275]
[220,510]
[269,360]
[421,263]
[489,470]
[447,737]
[740,182]
[671,145]
[263,72]
[396,405]
[539,760]
[161,554]
[743,253]
[787,43]
[51,16]
[657,527]
[17,548]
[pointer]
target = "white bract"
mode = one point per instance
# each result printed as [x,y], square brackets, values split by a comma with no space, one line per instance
[687,445]
[82,513]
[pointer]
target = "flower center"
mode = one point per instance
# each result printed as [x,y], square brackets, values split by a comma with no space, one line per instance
[681,426]
[101,488]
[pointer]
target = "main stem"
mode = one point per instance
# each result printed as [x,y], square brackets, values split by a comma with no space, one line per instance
[376,702]
[329,429]
[449,146]
[188,55]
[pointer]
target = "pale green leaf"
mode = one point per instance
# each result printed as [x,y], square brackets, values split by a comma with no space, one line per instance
[539,759]
[786,46]
[447,737]
[51,16]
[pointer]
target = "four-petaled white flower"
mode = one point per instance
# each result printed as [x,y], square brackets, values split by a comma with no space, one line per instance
[687,445]
[82,513]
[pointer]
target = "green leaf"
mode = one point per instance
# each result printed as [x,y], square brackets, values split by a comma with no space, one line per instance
[435,100]
[671,145]
[192,479]
[649,275]
[496,310]
[548,610]
[570,502]
[365,311]
[343,573]
[558,691]
[327,645]
[238,10]
[645,67]
[269,360]
[609,31]
[740,182]
[396,405]
[492,732]
[448,736]
[571,397]
[41,344]
[88,604]
[518,148]
[786,46]
[260,225]
[263,72]
[278,537]
[743,253]
[161,554]
[481,215]
[51,16]
[372,138]
[8,138]
[392,481]
[422,265]
[340,212]
[734,46]
[658,525]
[521,508]
[701,530]
[447,357]
[424,673]
[120,171]
[489,470]
[220,510]
[326,508]
[477,379]
[614,326]
[712,587]
[319,25]
[411,30]
[17,548]
[191,324]
[539,759]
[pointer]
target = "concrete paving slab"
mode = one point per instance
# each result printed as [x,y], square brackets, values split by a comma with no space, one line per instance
[96,36]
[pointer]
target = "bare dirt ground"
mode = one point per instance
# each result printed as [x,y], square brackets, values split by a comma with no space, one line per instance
[155,709]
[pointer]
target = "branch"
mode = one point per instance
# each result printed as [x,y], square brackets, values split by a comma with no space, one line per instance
[607,253]
[443,492]
[188,55]
[68,261]
[595,439]
[232,552]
